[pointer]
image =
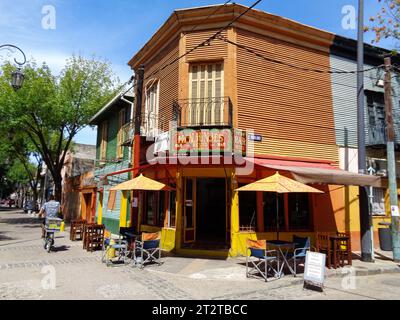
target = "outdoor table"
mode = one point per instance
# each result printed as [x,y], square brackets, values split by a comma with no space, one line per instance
[335,245]
[283,247]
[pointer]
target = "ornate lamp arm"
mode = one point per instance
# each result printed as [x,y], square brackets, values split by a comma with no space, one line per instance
[10,47]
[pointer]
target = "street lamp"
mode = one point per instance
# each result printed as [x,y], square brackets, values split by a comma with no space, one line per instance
[17,77]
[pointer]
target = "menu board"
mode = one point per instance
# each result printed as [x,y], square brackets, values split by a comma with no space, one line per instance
[314,273]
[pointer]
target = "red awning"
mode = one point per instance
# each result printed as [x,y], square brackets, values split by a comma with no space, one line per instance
[322,173]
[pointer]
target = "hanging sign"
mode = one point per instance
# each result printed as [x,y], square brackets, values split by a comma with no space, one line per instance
[314,273]
[395,211]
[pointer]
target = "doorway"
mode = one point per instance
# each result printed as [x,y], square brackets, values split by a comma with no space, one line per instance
[211,211]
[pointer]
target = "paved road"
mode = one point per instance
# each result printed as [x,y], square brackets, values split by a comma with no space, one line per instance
[26,272]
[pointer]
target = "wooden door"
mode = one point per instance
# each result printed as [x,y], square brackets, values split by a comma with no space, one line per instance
[189,217]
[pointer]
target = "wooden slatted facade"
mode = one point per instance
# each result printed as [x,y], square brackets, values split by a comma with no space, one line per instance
[290,108]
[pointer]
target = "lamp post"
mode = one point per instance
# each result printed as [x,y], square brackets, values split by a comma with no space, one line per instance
[17,77]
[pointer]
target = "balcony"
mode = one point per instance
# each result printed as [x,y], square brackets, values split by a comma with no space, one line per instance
[204,113]
[377,136]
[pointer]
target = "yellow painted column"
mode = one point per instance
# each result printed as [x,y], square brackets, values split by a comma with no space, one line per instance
[179,205]
[100,209]
[124,206]
[234,217]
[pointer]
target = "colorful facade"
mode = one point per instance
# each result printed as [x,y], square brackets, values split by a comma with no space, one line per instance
[241,117]
[112,155]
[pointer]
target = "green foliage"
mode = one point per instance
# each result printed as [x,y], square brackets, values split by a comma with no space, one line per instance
[386,23]
[44,116]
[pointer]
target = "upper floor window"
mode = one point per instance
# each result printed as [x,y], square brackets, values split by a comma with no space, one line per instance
[376,109]
[206,91]
[104,140]
[151,109]
[122,122]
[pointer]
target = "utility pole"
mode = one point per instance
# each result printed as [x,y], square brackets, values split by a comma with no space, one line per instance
[391,160]
[365,217]
[138,117]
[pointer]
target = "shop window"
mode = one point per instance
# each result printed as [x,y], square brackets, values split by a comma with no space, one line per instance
[154,209]
[299,211]
[149,208]
[247,211]
[378,202]
[270,211]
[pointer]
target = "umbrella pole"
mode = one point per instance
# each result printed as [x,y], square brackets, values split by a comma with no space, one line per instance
[277,215]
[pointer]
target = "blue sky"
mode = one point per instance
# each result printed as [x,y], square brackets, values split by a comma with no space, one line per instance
[115,30]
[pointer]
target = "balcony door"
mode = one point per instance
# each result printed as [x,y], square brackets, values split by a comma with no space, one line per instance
[151,109]
[206,94]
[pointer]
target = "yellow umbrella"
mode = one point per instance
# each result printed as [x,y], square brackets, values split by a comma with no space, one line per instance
[278,184]
[142,183]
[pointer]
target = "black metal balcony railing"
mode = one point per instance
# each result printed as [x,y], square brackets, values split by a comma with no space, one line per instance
[376,136]
[205,112]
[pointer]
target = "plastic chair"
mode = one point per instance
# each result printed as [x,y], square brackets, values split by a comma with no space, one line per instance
[264,260]
[148,249]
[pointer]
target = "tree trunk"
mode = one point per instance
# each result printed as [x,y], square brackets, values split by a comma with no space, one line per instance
[58,187]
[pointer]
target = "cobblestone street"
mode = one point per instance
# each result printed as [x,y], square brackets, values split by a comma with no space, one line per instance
[25,266]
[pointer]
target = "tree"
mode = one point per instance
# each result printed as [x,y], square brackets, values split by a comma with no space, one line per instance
[51,110]
[386,23]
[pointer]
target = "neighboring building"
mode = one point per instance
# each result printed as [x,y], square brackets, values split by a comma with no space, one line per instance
[114,123]
[344,57]
[79,189]
[216,93]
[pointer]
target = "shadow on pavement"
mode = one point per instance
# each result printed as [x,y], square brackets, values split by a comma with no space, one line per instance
[5,238]
[61,249]
[19,221]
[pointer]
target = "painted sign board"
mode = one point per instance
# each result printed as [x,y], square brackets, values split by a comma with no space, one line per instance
[207,141]
[314,272]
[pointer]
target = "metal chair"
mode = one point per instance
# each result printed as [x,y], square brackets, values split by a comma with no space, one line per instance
[148,249]
[302,246]
[265,260]
[114,251]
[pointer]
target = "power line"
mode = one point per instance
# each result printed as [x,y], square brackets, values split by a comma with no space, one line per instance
[292,65]
[205,42]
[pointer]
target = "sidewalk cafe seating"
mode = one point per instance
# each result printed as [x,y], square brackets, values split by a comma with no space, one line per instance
[302,246]
[115,251]
[324,246]
[148,249]
[76,230]
[343,249]
[93,237]
[129,235]
[259,261]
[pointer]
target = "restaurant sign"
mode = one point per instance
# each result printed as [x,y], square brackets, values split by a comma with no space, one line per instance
[208,141]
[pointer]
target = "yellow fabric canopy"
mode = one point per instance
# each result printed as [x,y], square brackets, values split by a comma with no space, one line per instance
[142,183]
[279,184]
